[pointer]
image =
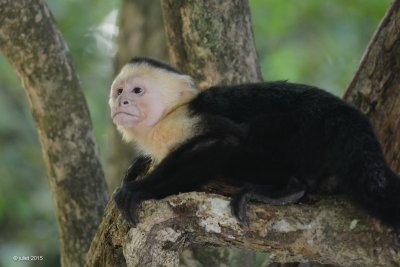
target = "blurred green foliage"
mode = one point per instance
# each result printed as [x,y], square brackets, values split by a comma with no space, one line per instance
[311,41]
[314,42]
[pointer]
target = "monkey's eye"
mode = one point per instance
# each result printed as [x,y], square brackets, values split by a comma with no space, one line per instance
[119,91]
[138,90]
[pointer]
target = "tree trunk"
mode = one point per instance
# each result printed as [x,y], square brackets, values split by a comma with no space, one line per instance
[212,41]
[375,88]
[138,36]
[330,230]
[32,43]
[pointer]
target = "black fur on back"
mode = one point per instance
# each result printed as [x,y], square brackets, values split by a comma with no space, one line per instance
[295,130]
[154,63]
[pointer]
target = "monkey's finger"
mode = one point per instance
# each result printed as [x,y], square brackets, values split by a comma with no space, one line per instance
[131,214]
[239,208]
[122,200]
[397,237]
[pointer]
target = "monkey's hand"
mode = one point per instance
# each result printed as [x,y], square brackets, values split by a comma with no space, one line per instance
[128,199]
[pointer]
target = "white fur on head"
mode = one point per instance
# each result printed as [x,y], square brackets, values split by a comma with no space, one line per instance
[174,89]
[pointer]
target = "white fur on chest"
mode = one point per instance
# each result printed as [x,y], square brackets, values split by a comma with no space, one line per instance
[176,128]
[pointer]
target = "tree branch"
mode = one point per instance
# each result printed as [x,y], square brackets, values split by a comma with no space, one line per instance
[328,231]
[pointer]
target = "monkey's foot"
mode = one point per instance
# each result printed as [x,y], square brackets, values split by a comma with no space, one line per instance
[239,208]
[268,194]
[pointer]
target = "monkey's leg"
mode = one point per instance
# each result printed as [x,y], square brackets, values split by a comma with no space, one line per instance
[139,167]
[269,194]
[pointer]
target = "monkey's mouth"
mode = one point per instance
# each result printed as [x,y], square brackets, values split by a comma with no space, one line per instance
[124,113]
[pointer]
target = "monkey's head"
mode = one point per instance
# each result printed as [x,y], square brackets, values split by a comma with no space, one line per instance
[144,92]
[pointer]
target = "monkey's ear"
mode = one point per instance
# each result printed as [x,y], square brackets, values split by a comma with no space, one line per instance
[188,89]
[189,84]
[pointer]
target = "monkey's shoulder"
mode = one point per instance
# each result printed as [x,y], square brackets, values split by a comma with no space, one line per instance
[248,100]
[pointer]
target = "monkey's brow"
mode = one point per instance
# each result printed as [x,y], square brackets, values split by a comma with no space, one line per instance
[155,63]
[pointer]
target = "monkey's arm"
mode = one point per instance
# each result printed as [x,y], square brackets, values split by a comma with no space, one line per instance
[193,164]
[139,167]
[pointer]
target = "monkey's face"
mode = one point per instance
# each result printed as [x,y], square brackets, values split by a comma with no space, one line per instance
[135,103]
[141,95]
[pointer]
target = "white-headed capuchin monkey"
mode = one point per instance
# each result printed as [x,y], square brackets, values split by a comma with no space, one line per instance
[280,140]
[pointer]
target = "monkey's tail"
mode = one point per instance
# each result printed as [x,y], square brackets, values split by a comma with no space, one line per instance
[362,170]
[377,188]
[371,183]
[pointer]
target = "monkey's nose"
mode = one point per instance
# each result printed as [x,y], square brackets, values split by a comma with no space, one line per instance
[124,102]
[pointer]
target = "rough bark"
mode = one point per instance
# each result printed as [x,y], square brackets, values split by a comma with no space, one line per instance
[141,33]
[375,88]
[212,40]
[32,43]
[106,247]
[212,256]
[330,231]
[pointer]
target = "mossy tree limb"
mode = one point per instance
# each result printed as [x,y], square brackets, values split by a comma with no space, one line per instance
[330,231]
